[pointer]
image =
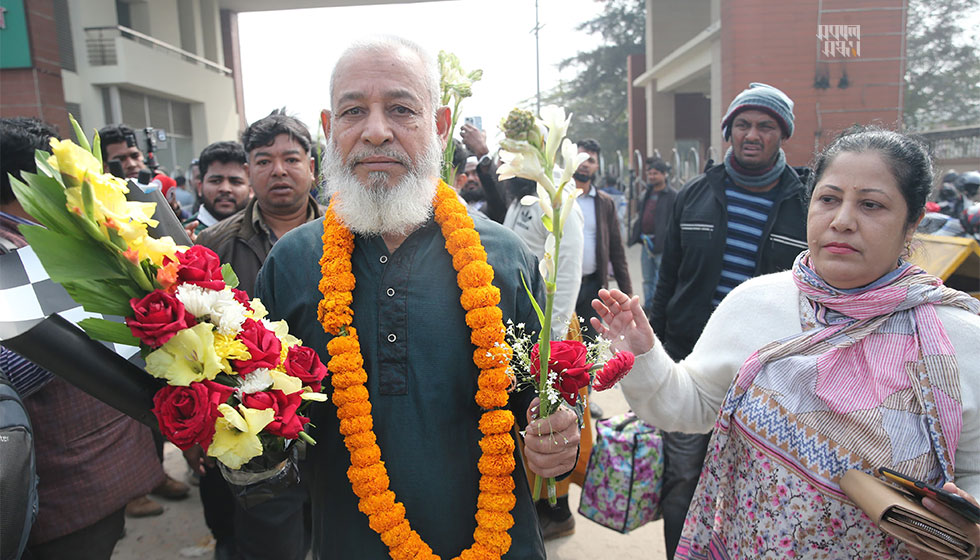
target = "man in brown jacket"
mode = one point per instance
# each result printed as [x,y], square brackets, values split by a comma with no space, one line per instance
[603,240]
[280,171]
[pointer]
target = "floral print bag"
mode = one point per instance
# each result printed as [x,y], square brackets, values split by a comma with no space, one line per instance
[625,474]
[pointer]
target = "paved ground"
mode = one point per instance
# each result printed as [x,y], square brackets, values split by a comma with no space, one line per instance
[180,532]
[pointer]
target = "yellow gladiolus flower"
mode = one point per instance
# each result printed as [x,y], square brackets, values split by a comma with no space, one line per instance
[258,309]
[187,357]
[236,434]
[285,382]
[154,249]
[72,161]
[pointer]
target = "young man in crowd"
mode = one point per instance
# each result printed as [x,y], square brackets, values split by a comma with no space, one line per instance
[223,185]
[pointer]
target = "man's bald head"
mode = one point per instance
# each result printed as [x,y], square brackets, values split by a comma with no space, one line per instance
[409,51]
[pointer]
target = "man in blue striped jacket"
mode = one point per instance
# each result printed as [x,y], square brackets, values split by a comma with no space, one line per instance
[742,218]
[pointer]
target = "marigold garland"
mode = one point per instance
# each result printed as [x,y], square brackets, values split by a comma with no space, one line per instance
[367,473]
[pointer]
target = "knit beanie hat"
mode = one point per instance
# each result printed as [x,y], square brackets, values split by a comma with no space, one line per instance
[765,98]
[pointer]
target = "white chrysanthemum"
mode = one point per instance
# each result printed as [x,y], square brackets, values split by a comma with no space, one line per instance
[197,300]
[219,307]
[228,314]
[257,380]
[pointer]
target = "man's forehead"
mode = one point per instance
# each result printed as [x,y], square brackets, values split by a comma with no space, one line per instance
[358,75]
[282,144]
[582,150]
[225,168]
[752,115]
[118,147]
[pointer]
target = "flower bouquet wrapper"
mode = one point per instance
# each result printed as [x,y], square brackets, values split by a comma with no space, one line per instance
[167,222]
[63,349]
[263,478]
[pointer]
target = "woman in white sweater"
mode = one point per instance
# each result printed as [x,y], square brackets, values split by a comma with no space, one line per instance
[854,359]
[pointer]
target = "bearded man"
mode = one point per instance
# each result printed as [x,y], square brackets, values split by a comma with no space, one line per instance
[385,135]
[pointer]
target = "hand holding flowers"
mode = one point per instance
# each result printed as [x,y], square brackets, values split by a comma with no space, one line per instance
[530,150]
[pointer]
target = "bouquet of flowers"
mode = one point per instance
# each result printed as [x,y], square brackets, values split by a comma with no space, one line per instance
[530,150]
[236,383]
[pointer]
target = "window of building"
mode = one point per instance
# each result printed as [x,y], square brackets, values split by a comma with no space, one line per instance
[66,49]
[140,110]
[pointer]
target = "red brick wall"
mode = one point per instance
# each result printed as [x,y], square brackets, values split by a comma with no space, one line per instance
[776,43]
[37,91]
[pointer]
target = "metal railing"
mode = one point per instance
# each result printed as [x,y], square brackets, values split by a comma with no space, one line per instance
[959,143]
[101,45]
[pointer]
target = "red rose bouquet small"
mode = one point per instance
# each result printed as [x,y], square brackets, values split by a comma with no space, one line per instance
[236,383]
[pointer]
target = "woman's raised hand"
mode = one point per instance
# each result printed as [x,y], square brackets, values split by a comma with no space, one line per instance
[622,321]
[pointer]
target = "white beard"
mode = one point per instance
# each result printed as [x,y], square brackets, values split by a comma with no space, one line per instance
[374,209]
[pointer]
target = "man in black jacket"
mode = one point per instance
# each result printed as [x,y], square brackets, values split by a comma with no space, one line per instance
[743,218]
[650,227]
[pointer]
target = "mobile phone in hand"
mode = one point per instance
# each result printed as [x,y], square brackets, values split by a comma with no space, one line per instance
[957,503]
[477,122]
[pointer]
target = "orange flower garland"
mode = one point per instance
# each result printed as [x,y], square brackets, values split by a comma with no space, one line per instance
[367,473]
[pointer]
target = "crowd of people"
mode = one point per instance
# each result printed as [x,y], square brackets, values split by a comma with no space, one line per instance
[782,337]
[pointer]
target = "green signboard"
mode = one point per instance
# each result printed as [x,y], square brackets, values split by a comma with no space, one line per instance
[15,46]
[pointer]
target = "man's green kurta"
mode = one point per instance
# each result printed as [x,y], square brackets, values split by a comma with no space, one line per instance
[421,378]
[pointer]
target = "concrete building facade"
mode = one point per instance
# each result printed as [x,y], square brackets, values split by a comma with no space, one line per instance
[170,65]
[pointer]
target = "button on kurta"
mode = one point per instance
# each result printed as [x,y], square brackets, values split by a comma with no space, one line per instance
[392,337]
[390,292]
[383,259]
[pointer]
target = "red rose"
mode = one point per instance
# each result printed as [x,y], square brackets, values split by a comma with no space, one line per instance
[614,370]
[262,344]
[158,316]
[286,422]
[303,363]
[187,414]
[241,297]
[200,266]
[567,360]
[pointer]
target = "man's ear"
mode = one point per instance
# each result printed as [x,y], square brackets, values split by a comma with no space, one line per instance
[325,122]
[444,120]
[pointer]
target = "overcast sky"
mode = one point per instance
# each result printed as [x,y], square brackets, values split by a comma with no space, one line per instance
[277,49]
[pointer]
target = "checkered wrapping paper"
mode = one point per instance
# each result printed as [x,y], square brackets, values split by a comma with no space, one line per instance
[28,296]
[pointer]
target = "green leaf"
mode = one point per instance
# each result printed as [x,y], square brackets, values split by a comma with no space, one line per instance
[41,160]
[534,303]
[69,259]
[44,199]
[229,276]
[79,133]
[97,148]
[98,296]
[109,331]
